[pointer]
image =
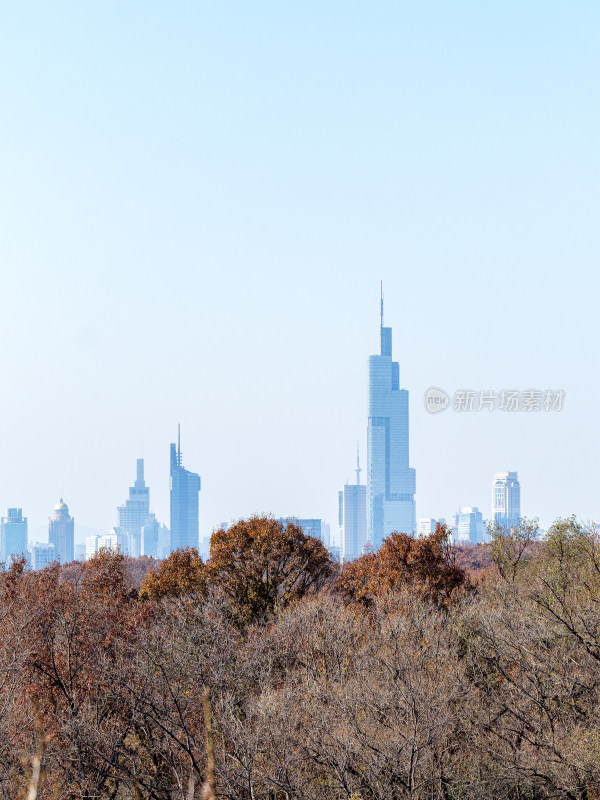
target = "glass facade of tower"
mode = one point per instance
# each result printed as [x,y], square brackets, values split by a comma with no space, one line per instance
[390,480]
[134,513]
[13,535]
[185,487]
[310,527]
[354,520]
[470,526]
[61,533]
[506,500]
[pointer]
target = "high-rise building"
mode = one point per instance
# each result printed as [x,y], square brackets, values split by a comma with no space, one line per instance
[506,500]
[185,487]
[426,526]
[470,527]
[353,522]
[61,533]
[164,541]
[134,513]
[150,532]
[391,483]
[91,546]
[42,555]
[310,527]
[13,535]
[116,540]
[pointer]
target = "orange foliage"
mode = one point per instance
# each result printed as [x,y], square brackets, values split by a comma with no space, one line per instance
[260,566]
[181,574]
[424,565]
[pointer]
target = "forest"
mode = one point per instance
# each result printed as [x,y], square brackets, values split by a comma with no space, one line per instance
[421,671]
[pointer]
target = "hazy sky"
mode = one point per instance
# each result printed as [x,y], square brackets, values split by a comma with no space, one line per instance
[198,201]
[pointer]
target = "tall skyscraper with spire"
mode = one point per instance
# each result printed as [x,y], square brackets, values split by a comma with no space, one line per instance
[185,487]
[391,483]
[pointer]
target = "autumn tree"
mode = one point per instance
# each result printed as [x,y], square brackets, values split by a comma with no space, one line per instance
[262,566]
[424,565]
[511,547]
[182,574]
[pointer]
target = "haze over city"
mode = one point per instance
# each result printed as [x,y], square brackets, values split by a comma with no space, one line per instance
[198,204]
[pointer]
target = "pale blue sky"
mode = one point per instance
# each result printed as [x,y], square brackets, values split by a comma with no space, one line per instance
[197,203]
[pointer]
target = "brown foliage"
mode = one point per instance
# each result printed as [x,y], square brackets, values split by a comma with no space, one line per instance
[494,695]
[182,574]
[260,566]
[472,558]
[425,566]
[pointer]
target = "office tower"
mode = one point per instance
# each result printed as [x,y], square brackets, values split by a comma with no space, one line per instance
[42,555]
[61,533]
[115,540]
[354,516]
[326,533]
[205,547]
[426,526]
[134,513]
[310,527]
[80,552]
[390,480]
[336,553]
[506,500]
[164,541]
[91,546]
[185,486]
[470,526]
[149,541]
[13,535]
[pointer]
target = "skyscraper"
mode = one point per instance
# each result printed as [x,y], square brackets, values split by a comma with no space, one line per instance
[470,527]
[353,521]
[135,511]
[310,527]
[184,487]
[13,535]
[426,526]
[61,533]
[506,500]
[390,480]
[42,555]
[150,532]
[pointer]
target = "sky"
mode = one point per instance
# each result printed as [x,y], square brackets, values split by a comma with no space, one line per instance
[198,201]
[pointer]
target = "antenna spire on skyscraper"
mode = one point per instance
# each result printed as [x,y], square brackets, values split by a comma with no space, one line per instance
[178,444]
[382,304]
[358,470]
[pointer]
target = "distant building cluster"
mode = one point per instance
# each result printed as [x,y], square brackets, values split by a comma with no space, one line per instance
[138,532]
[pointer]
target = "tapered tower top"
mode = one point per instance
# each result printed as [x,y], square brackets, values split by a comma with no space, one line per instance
[385,333]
